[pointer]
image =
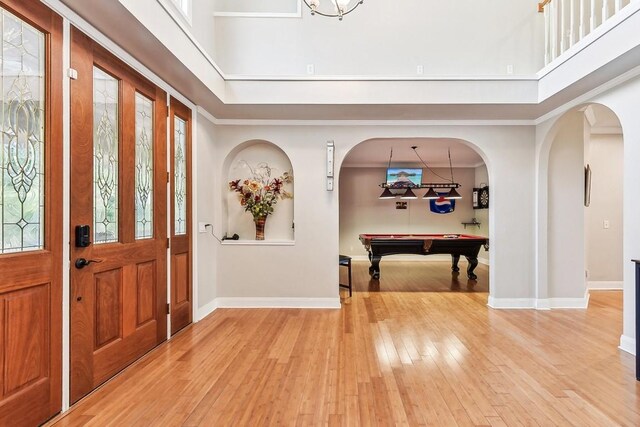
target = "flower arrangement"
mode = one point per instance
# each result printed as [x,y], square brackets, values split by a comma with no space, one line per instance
[260,192]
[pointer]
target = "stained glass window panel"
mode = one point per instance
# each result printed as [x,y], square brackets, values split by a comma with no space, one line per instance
[180,171]
[22,179]
[105,157]
[144,167]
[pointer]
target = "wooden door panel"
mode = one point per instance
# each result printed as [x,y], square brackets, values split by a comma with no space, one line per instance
[26,353]
[146,298]
[122,297]
[108,301]
[181,283]
[181,278]
[112,358]
[31,273]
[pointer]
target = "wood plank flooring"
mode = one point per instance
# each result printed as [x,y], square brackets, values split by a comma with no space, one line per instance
[396,354]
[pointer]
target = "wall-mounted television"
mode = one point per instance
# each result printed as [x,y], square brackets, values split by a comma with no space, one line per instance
[404,177]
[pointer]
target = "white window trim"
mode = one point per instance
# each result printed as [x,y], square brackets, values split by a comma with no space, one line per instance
[296,14]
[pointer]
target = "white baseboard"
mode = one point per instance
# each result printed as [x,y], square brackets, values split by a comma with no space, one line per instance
[538,304]
[206,310]
[267,302]
[605,285]
[511,303]
[628,344]
[569,302]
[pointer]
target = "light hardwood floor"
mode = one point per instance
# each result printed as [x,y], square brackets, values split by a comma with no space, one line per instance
[396,354]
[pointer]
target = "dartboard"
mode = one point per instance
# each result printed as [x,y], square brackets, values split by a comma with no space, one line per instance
[484,197]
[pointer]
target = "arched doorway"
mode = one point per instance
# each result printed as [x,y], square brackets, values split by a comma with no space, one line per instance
[580,202]
[362,211]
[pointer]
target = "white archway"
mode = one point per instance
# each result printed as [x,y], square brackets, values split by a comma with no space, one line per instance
[561,237]
[363,170]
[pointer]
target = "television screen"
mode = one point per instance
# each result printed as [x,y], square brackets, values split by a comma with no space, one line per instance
[404,177]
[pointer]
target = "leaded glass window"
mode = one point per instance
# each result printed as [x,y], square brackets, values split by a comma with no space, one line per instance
[144,167]
[22,179]
[180,171]
[105,157]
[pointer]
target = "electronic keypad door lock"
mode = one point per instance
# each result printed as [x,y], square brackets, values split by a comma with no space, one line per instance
[83,236]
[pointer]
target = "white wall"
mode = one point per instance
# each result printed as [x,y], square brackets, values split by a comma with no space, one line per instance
[206,244]
[309,268]
[203,26]
[566,210]
[388,38]
[604,245]
[362,212]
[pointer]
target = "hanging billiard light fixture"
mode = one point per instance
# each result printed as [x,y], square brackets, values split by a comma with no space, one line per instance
[431,193]
[332,8]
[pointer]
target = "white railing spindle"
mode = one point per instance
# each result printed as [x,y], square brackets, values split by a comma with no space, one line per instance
[554,29]
[605,10]
[547,39]
[582,31]
[618,4]
[563,25]
[572,23]
[592,18]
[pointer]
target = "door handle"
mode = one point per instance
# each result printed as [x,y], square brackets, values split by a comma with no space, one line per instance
[82,262]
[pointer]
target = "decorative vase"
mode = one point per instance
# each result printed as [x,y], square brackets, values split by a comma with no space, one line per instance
[260,221]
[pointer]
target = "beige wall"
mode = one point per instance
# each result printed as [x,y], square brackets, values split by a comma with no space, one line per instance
[482,215]
[362,212]
[604,246]
[566,210]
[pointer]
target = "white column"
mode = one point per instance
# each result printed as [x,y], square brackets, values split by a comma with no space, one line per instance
[582,30]
[592,16]
[618,5]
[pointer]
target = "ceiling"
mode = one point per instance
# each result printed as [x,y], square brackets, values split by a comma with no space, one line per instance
[434,151]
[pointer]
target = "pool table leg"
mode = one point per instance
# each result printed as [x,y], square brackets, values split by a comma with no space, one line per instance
[473,263]
[454,263]
[374,269]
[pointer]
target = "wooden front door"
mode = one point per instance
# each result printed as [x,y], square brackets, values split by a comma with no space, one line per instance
[181,271]
[118,208]
[30,213]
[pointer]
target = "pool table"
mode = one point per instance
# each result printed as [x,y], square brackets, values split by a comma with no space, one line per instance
[379,245]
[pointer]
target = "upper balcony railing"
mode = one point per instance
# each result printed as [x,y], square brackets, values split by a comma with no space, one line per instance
[569,21]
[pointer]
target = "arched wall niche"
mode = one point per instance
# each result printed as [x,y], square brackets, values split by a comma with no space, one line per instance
[565,226]
[241,163]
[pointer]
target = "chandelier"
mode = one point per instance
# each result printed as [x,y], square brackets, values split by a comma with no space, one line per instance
[407,179]
[339,9]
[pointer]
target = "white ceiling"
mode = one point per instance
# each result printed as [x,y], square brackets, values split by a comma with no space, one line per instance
[375,153]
